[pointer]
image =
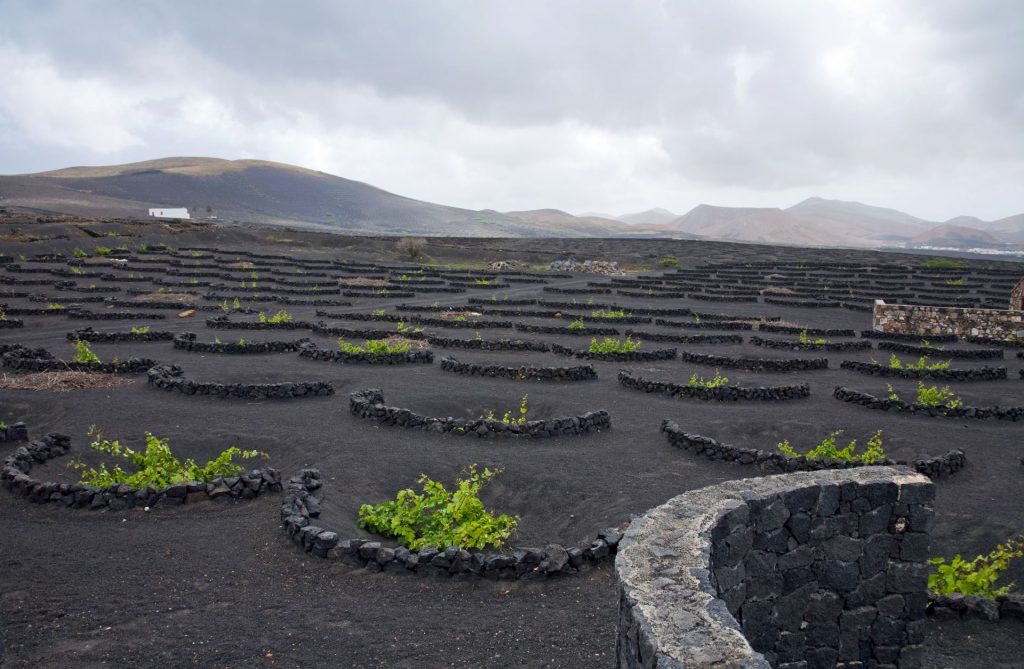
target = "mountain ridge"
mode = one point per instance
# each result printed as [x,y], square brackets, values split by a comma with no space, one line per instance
[262,191]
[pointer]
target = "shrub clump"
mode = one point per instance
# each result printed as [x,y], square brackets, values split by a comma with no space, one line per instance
[942,263]
[610,345]
[718,381]
[440,518]
[931,396]
[140,330]
[610,314]
[577,324]
[375,347]
[978,576]
[507,418]
[157,466]
[281,316]
[828,450]
[805,340]
[921,365]
[84,354]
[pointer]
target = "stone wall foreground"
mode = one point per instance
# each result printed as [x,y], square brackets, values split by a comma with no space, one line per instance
[810,569]
[925,321]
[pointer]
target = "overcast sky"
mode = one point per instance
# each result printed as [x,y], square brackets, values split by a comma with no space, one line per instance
[583,106]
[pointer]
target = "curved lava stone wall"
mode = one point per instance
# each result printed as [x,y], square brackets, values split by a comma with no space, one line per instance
[811,568]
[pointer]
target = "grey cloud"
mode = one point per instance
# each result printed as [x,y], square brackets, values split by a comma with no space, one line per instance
[823,95]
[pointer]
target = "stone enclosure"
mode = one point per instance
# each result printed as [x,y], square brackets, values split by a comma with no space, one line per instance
[812,569]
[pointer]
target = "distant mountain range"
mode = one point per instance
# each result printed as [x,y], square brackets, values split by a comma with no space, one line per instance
[820,222]
[266,192]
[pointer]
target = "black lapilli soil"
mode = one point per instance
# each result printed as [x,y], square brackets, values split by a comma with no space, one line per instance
[220,584]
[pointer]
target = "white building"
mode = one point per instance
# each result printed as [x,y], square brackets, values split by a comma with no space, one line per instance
[175,213]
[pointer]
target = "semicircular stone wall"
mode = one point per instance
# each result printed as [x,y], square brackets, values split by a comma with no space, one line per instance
[810,569]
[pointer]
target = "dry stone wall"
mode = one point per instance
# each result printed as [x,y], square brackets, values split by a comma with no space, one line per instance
[810,569]
[928,321]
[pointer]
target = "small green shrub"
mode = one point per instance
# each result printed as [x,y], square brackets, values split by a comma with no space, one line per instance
[609,345]
[608,314]
[828,450]
[507,416]
[942,263]
[669,262]
[140,330]
[281,316]
[79,253]
[157,466]
[375,347]
[439,518]
[805,340]
[103,250]
[378,312]
[83,353]
[577,324]
[55,306]
[922,364]
[933,396]
[405,329]
[955,282]
[718,381]
[978,576]
[482,282]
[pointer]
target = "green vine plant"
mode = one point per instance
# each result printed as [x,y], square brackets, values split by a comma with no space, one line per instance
[805,340]
[829,450]
[922,364]
[84,354]
[405,329]
[55,306]
[577,324]
[507,417]
[280,317]
[609,345]
[157,466]
[375,347]
[140,330]
[978,576]
[718,381]
[439,518]
[933,396]
[608,314]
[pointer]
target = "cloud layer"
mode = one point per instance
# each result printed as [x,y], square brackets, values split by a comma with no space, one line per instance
[579,105]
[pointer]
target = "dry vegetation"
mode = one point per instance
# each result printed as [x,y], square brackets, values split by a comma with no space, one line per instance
[165,297]
[362,281]
[414,344]
[61,382]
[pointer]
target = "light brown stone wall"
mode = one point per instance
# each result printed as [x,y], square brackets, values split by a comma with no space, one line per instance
[926,321]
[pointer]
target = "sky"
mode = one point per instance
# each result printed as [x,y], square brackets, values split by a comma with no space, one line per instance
[580,105]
